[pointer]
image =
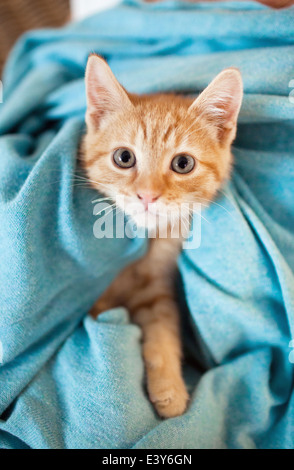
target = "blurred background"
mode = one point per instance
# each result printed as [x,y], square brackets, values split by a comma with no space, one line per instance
[18,16]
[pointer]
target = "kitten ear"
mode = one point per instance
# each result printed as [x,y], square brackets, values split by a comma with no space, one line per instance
[220,102]
[104,93]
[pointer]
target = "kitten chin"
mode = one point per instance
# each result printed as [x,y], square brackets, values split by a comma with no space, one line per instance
[160,217]
[145,219]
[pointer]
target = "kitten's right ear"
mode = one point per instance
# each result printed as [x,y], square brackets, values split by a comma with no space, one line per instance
[104,93]
[220,103]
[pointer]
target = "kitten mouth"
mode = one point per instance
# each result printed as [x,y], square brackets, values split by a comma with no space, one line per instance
[155,214]
[156,211]
[151,209]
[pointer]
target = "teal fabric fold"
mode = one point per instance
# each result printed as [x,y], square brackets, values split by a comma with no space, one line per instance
[68,381]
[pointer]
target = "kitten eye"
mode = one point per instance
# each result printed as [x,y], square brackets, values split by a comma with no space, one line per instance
[124,158]
[183,164]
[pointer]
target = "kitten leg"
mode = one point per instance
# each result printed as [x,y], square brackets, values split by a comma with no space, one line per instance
[120,290]
[146,289]
[107,301]
[162,356]
[154,309]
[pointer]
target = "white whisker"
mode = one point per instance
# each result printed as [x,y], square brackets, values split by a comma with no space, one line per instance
[101,199]
[198,213]
[216,204]
[105,209]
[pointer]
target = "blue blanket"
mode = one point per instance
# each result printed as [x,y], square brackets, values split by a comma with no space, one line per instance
[67,381]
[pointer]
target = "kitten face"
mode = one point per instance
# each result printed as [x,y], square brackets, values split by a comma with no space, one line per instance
[158,151]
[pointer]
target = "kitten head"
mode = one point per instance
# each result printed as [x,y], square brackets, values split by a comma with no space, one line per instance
[158,151]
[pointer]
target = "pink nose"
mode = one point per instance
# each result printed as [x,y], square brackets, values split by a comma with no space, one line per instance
[147,198]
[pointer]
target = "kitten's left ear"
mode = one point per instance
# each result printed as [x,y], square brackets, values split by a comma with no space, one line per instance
[105,95]
[220,103]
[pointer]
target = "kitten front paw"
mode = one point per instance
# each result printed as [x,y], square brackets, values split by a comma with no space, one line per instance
[101,306]
[169,397]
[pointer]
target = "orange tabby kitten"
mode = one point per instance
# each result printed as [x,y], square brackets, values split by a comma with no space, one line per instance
[158,150]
